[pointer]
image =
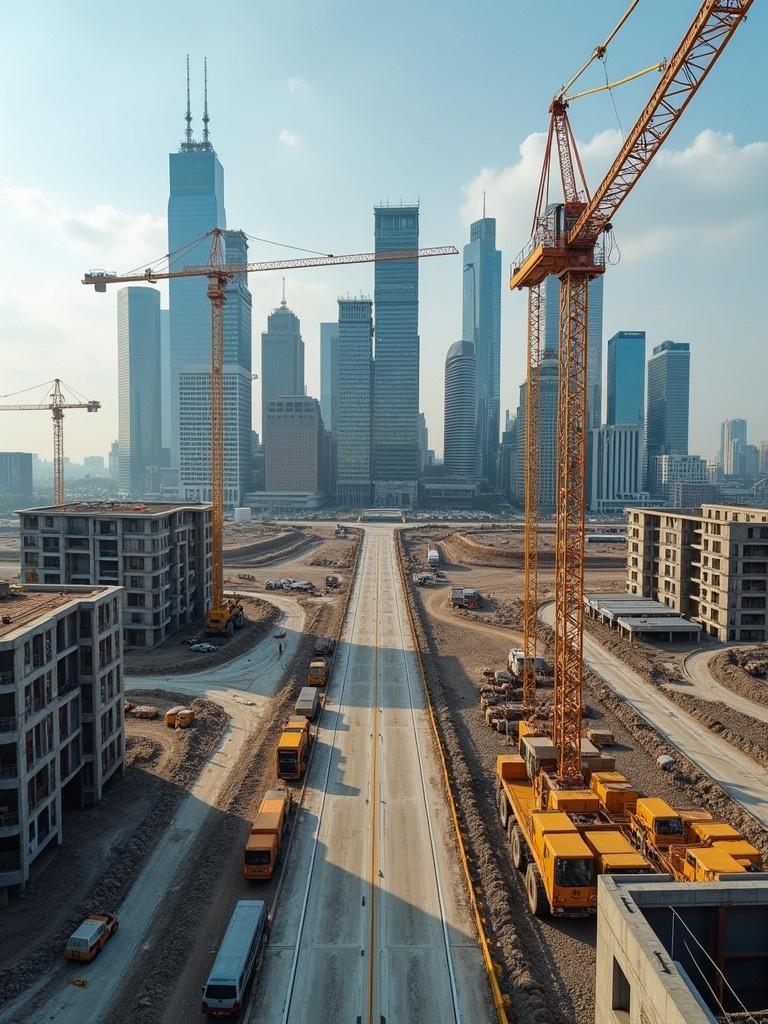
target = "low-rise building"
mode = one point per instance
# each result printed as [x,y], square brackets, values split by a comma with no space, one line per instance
[160,553]
[708,563]
[61,722]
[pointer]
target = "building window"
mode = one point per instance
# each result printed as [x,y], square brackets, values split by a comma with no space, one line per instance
[621,994]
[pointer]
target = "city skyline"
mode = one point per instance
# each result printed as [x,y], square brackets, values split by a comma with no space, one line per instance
[114,215]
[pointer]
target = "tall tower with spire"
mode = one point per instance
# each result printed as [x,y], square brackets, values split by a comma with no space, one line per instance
[195,206]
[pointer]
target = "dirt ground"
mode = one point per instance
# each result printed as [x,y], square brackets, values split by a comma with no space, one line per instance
[174,656]
[105,846]
[731,670]
[548,966]
[327,555]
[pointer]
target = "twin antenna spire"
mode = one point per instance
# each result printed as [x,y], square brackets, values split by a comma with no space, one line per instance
[189,144]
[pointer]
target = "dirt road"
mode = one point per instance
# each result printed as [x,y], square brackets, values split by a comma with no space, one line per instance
[704,685]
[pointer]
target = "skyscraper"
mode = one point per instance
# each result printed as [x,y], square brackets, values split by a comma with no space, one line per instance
[329,374]
[617,467]
[396,370]
[195,206]
[459,444]
[139,387]
[626,378]
[16,476]
[165,378]
[282,359]
[295,446]
[194,397]
[548,405]
[355,406]
[669,370]
[481,325]
[730,431]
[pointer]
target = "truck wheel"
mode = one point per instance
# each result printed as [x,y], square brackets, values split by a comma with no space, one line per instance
[503,808]
[534,887]
[519,851]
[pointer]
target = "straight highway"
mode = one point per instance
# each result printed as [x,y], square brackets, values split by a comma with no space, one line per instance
[372,924]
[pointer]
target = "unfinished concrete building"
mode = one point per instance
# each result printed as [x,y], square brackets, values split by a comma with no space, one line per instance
[61,723]
[160,553]
[676,953]
[709,563]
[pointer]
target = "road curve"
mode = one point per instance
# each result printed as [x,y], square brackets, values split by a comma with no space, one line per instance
[372,923]
[244,687]
[696,670]
[741,777]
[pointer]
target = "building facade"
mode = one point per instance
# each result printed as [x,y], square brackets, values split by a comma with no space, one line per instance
[710,564]
[160,554]
[296,446]
[548,406]
[139,387]
[731,431]
[282,359]
[481,325]
[626,378]
[329,375]
[396,369]
[61,722]
[16,475]
[460,419]
[354,470]
[669,470]
[666,432]
[617,467]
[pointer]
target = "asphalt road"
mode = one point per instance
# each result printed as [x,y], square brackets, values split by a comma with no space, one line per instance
[372,924]
[741,777]
[244,687]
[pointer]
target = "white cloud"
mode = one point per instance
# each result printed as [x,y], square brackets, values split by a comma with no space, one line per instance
[289,138]
[297,87]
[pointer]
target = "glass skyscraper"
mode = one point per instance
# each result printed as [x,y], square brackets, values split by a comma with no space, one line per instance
[666,432]
[139,383]
[481,325]
[626,378]
[355,405]
[396,368]
[459,447]
[282,359]
[329,375]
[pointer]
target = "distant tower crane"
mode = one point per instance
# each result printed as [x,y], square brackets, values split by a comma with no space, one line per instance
[566,241]
[222,618]
[57,405]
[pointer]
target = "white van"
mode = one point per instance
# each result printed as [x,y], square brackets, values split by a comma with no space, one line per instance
[238,961]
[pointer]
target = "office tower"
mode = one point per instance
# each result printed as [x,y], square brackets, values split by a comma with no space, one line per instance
[94,465]
[195,397]
[396,369]
[165,379]
[195,206]
[139,387]
[282,359]
[329,375]
[16,476]
[355,406]
[617,467]
[481,325]
[762,449]
[626,378]
[665,471]
[730,431]
[114,460]
[460,420]
[548,405]
[423,442]
[295,447]
[666,431]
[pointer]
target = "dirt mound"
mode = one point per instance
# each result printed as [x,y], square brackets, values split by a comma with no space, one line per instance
[743,672]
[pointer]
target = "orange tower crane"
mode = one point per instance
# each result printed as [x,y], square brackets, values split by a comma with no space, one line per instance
[566,241]
[56,404]
[218,274]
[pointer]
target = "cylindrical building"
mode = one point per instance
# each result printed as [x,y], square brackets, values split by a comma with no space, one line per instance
[459,455]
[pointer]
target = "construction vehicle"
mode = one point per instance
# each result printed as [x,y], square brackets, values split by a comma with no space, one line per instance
[615,855]
[703,864]
[308,702]
[317,673]
[91,937]
[56,404]
[456,599]
[433,558]
[293,748]
[264,842]
[224,619]
[179,717]
[655,826]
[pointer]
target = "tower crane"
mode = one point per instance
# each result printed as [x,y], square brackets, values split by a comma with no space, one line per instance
[566,241]
[57,405]
[221,617]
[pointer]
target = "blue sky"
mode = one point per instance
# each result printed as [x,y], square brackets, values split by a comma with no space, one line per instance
[320,110]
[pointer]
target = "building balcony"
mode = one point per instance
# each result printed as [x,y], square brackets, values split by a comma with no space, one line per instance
[9,726]
[9,776]
[9,823]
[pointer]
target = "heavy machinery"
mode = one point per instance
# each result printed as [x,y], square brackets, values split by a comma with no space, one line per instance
[56,403]
[264,842]
[222,616]
[293,748]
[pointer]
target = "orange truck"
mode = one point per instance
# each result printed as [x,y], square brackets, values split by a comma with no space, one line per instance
[91,937]
[293,748]
[317,673]
[264,842]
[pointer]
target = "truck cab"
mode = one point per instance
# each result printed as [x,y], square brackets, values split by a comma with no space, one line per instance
[262,848]
[703,864]
[317,673]
[567,866]
[656,826]
[292,751]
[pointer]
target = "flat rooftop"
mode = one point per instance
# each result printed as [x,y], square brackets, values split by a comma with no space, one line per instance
[628,606]
[116,508]
[660,624]
[27,605]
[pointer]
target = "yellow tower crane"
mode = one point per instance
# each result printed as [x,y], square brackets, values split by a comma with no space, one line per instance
[56,404]
[224,617]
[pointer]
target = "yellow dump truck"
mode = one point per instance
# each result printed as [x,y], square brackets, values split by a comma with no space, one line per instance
[317,673]
[264,842]
[293,748]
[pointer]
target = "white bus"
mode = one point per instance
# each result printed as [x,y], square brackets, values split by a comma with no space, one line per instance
[235,965]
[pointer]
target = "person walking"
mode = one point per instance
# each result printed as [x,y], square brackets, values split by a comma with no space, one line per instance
[280,649]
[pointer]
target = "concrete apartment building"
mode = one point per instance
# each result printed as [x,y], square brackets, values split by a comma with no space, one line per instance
[710,564]
[159,553]
[61,723]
